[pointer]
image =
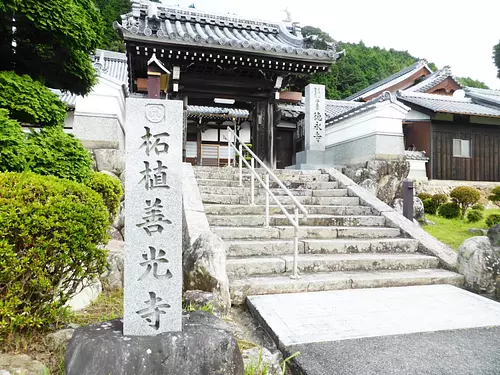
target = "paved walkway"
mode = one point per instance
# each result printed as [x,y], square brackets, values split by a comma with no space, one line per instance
[385,325]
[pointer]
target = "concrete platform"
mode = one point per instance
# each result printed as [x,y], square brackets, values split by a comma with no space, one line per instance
[432,329]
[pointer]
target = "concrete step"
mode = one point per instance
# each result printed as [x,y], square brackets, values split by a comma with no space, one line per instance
[304,232]
[311,263]
[295,177]
[242,248]
[285,200]
[246,209]
[258,285]
[232,169]
[246,191]
[288,184]
[311,220]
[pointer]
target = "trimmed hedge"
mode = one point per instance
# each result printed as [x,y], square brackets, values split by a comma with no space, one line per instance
[478,206]
[59,154]
[109,188]
[450,210]
[50,230]
[430,206]
[495,196]
[440,199]
[473,216]
[492,220]
[424,196]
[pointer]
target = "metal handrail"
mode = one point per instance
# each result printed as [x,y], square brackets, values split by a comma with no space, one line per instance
[298,206]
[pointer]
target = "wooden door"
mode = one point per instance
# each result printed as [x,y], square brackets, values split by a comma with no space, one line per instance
[284,149]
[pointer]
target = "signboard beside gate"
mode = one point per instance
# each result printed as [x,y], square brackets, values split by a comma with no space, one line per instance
[153,217]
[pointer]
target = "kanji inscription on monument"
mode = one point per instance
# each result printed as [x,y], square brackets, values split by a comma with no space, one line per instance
[315,117]
[153,217]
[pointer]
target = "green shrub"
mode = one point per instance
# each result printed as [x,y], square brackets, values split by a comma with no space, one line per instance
[473,216]
[430,206]
[30,101]
[59,154]
[50,230]
[110,190]
[440,199]
[495,196]
[424,196]
[450,210]
[478,206]
[465,196]
[12,144]
[492,220]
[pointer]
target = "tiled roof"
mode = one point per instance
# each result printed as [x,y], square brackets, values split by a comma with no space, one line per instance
[113,64]
[416,155]
[386,82]
[334,108]
[291,111]
[187,26]
[448,104]
[487,96]
[433,80]
[205,111]
[66,97]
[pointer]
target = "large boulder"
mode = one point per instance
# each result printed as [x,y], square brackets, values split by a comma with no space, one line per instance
[111,160]
[479,262]
[204,267]
[494,235]
[418,208]
[387,188]
[370,186]
[203,347]
[199,299]
[119,222]
[112,278]
[259,359]
[20,364]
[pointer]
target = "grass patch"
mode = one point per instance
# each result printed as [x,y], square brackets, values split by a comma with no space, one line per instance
[108,306]
[453,232]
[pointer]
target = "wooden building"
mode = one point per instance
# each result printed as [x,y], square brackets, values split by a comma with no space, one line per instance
[209,59]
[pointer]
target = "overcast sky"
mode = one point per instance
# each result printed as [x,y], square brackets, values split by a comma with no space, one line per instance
[459,33]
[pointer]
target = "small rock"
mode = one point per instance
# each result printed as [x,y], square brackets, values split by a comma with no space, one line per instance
[56,341]
[478,231]
[261,358]
[494,235]
[418,208]
[88,291]
[112,278]
[198,299]
[112,160]
[479,262]
[21,364]
[119,222]
[115,234]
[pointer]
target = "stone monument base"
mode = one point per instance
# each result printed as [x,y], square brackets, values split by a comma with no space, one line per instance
[311,160]
[204,347]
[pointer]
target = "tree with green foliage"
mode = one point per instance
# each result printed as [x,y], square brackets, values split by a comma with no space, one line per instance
[51,41]
[496,57]
[316,38]
[465,197]
[469,82]
[13,153]
[111,10]
[30,101]
[495,196]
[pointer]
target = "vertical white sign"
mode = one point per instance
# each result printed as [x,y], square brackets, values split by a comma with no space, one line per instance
[153,217]
[315,118]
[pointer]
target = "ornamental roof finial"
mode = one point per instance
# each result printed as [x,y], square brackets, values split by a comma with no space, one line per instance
[288,15]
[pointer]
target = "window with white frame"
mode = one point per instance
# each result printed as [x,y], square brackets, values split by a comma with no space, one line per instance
[461,148]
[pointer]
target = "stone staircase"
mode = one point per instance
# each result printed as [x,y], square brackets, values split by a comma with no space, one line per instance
[342,244]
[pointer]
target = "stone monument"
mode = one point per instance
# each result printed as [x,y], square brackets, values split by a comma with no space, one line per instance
[314,155]
[153,217]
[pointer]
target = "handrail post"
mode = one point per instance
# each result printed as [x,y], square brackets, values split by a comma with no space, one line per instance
[252,181]
[229,147]
[295,274]
[266,222]
[241,165]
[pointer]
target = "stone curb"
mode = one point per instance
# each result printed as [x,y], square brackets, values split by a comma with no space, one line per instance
[195,221]
[427,243]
